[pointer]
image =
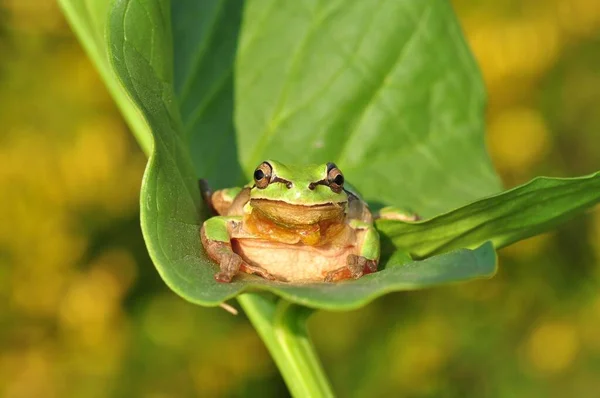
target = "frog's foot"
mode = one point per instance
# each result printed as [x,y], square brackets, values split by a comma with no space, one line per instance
[260,271]
[229,265]
[356,267]
[406,217]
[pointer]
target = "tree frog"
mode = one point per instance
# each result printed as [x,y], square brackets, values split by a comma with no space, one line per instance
[291,223]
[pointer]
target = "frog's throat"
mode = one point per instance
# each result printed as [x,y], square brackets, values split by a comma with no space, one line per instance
[288,214]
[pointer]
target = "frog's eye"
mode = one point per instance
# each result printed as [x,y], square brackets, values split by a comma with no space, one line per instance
[262,175]
[335,178]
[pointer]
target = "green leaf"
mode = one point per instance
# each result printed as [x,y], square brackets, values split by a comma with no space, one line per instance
[386,89]
[170,205]
[88,19]
[141,48]
[519,213]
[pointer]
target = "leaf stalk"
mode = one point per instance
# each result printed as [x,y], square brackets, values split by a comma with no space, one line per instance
[282,327]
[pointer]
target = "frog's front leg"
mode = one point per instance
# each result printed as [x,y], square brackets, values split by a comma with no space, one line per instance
[367,257]
[216,234]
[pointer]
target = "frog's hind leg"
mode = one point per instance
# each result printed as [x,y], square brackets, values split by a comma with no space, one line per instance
[367,258]
[216,234]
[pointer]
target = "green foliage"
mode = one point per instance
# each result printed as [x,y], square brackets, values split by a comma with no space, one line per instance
[170,200]
[399,108]
[402,112]
[503,219]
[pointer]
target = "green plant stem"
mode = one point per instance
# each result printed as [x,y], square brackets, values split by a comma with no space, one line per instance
[282,327]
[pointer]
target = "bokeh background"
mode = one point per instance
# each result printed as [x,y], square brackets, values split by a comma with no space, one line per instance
[83,313]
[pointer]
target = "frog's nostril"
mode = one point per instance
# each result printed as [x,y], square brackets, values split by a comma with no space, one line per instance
[311,186]
[289,184]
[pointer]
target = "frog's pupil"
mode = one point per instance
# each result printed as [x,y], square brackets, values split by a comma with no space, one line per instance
[339,179]
[259,175]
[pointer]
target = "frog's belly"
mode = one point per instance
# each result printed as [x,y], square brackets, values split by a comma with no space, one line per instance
[298,263]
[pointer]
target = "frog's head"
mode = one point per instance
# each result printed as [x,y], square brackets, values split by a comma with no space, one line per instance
[298,195]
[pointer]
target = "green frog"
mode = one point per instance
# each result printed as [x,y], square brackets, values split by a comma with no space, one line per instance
[294,224]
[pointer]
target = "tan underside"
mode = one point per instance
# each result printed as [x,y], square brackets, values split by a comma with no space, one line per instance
[294,262]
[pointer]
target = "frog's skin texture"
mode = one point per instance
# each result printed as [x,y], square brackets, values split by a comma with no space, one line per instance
[291,223]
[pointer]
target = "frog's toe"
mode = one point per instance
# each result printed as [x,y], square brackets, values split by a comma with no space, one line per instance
[230,265]
[260,271]
[354,269]
[223,277]
[371,266]
[396,213]
[337,275]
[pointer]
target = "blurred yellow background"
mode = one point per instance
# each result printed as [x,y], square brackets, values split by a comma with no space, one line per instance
[83,313]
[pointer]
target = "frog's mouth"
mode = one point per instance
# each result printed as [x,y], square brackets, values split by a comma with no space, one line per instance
[290,214]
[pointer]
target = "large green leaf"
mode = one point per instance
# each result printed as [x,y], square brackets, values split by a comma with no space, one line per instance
[517,214]
[171,211]
[386,89]
[141,48]
[88,20]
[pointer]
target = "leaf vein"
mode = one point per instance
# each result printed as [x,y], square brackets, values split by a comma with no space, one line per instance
[342,154]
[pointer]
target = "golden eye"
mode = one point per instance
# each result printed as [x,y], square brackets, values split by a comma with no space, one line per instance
[262,175]
[335,178]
